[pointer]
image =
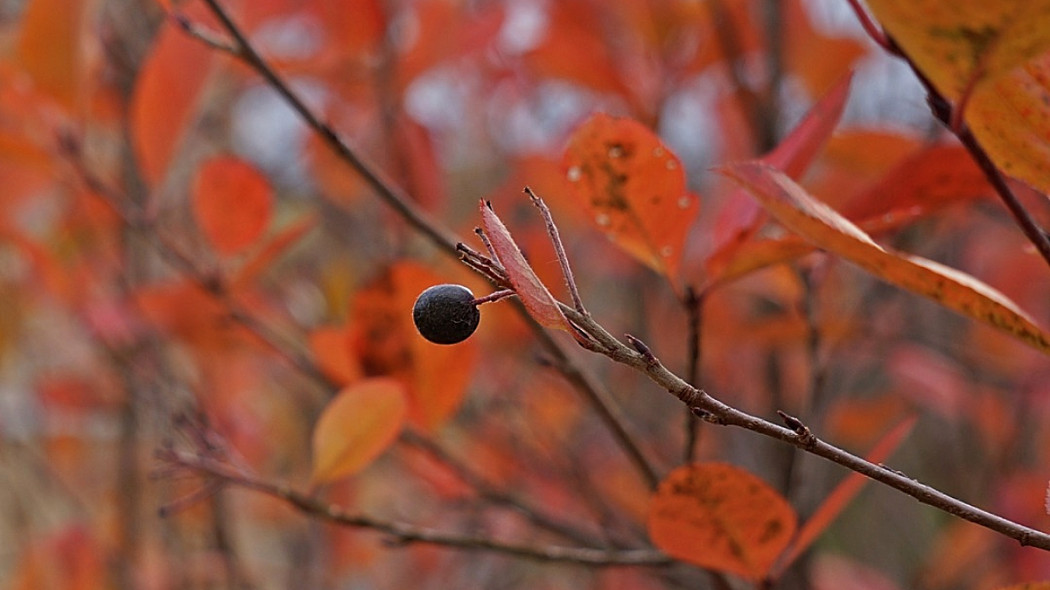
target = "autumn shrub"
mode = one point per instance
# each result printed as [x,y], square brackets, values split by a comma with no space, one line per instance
[753,277]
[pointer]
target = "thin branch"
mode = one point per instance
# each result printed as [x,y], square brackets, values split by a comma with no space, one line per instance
[442,237]
[1035,234]
[717,412]
[559,250]
[419,219]
[729,42]
[402,533]
[946,114]
[694,309]
[873,30]
[490,492]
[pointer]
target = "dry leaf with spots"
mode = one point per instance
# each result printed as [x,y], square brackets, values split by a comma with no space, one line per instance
[634,188]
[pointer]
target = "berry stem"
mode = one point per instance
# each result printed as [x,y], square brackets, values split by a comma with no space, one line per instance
[494,296]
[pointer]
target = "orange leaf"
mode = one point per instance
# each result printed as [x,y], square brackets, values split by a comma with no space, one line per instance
[165,97]
[727,265]
[841,496]
[49,47]
[231,202]
[817,59]
[634,188]
[828,230]
[1028,586]
[275,247]
[992,59]
[330,346]
[530,290]
[574,49]
[356,427]
[721,517]
[386,343]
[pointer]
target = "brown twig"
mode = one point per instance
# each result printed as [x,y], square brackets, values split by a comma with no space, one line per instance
[606,407]
[717,412]
[419,219]
[214,285]
[702,403]
[402,533]
[694,309]
[559,250]
[493,494]
[873,30]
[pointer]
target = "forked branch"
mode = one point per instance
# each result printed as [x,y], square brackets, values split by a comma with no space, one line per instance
[638,356]
[402,533]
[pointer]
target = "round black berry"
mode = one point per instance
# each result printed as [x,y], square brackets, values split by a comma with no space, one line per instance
[446,314]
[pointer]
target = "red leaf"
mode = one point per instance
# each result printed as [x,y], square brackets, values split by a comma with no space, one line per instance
[231,202]
[356,427]
[721,517]
[740,218]
[423,175]
[165,98]
[932,178]
[531,291]
[634,188]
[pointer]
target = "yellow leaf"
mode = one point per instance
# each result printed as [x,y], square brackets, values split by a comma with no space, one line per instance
[356,427]
[49,47]
[992,58]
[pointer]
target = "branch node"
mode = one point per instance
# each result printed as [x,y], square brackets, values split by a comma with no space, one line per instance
[805,436]
[700,412]
[643,349]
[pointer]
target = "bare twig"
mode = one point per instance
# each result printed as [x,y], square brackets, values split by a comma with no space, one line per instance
[419,219]
[873,30]
[694,308]
[442,237]
[697,400]
[559,249]
[717,412]
[402,533]
[490,492]
[494,296]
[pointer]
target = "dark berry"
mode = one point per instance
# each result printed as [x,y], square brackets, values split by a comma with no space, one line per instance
[446,314]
